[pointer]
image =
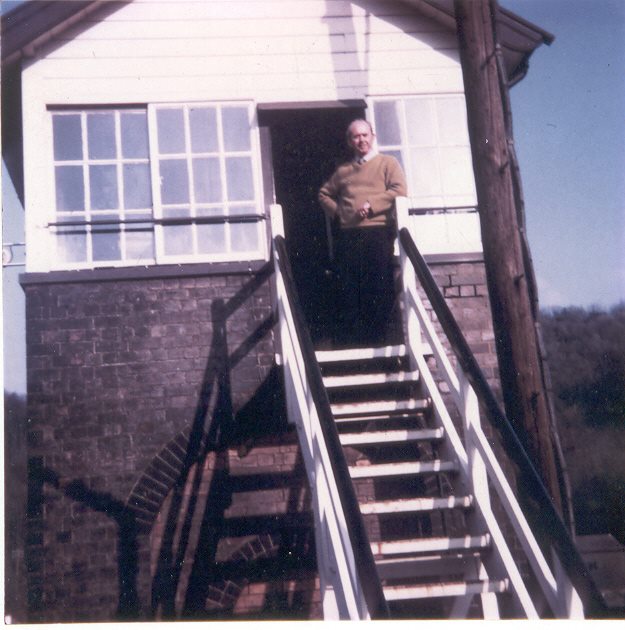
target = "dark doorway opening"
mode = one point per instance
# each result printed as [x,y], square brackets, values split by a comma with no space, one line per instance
[307,145]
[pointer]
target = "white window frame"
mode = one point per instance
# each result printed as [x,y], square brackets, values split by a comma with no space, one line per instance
[253,153]
[54,216]
[442,200]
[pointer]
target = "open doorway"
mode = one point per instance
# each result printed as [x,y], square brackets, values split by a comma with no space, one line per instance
[307,145]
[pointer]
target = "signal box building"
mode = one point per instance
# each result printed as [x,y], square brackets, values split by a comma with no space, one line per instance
[154,145]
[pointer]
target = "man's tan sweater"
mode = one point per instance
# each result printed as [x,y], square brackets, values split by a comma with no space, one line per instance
[377,181]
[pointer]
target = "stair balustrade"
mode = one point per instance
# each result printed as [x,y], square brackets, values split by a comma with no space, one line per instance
[349,583]
[407,529]
[477,459]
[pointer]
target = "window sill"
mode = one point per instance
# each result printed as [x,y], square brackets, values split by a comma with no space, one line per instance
[140,273]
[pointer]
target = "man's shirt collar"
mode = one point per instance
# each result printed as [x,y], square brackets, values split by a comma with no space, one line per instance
[368,157]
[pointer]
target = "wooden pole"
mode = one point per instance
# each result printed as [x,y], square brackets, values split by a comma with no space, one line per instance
[524,393]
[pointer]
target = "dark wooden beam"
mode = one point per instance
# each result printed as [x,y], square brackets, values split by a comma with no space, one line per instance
[524,393]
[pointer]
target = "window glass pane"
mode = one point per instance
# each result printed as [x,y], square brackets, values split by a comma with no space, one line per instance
[106,239]
[140,243]
[424,177]
[70,192]
[239,179]
[210,212]
[134,132]
[236,128]
[203,123]
[387,122]
[211,238]
[101,136]
[244,236]
[174,181]
[71,245]
[178,240]
[176,213]
[137,186]
[398,156]
[420,121]
[452,122]
[67,137]
[103,187]
[207,180]
[235,210]
[458,172]
[170,124]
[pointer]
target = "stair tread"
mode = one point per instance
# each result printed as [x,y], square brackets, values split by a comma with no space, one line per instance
[420,504]
[379,406]
[376,378]
[444,589]
[428,545]
[359,354]
[401,468]
[392,436]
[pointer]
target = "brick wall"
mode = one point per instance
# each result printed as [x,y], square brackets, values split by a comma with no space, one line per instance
[119,373]
[157,441]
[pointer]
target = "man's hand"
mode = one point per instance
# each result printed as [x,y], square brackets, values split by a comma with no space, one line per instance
[365,211]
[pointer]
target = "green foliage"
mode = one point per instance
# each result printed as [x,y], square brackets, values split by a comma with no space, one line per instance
[586,354]
[586,351]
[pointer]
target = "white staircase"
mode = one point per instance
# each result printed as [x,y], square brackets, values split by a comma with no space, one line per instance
[402,475]
[427,549]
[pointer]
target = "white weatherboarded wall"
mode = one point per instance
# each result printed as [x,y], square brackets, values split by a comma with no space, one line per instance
[265,50]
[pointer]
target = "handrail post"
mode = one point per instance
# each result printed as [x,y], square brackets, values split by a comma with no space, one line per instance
[412,328]
[570,601]
[478,476]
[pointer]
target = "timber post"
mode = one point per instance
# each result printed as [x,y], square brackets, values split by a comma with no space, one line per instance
[524,394]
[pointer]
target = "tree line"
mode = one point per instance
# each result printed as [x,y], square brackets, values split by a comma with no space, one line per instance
[586,357]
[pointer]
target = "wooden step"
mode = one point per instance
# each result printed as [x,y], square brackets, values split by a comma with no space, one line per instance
[391,437]
[444,589]
[347,411]
[430,545]
[360,354]
[363,354]
[364,380]
[421,504]
[401,468]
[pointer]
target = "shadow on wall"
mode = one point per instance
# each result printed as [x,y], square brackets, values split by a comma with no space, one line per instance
[187,489]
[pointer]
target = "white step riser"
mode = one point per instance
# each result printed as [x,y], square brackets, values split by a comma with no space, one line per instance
[451,589]
[404,468]
[430,545]
[360,354]
[363,354]
[389,407]
[365,380]
[415,505]
[391,437]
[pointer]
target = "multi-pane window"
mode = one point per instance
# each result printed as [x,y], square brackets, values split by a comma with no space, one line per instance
[205,165]
[166,183]
[428,134]
[103,188]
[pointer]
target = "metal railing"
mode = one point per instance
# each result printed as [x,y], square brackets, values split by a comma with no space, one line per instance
[568,590]
[350,586]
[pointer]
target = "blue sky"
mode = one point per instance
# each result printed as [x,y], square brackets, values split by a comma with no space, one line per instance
[569,123]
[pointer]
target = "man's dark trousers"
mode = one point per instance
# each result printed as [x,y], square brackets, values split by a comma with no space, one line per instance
[364,262]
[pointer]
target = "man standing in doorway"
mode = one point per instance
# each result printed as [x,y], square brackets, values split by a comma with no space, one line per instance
[360,195]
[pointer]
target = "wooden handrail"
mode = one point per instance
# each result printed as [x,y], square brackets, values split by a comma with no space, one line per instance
[363,556]
[552,525]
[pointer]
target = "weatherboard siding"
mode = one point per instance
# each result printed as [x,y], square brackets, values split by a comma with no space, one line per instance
[265,51]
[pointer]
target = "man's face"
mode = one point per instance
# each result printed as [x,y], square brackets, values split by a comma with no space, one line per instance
[360,138]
